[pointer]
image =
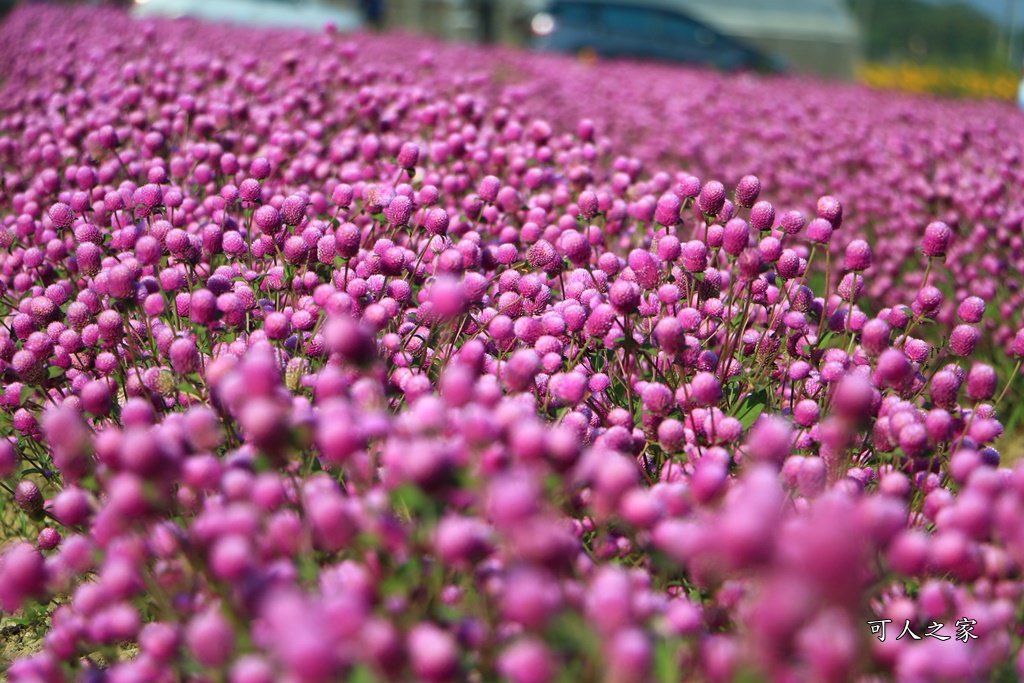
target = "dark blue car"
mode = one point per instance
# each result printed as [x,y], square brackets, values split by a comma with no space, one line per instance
[640,31]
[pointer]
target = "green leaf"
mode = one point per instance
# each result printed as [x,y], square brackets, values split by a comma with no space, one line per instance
[751,408]
[53,372]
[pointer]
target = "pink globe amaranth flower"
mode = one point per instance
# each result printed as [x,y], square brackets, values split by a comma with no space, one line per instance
[892,368]
[22,576]
[705,389]
[436,222]
[762,216]
[820,231]
[268,219]
[184,356]
[770,440]
[28,498]
[250,190]
[433,652]
[210,638]
[792,222]
[541,254]
[260,168]
[667,210]
[588,204]
[735,237]
[747,191]
[399,211]
[1018,344]
[937,236]
[527,661]
[831,210]
[670,335]
[875,336]
[971,309]
[789,264]
[981,382]
[61,215]
[963,339]
[858,255]
[711,198]
[408,155]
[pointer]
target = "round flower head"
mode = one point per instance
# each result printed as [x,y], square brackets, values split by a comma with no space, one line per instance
[712,198]
[981,382]
[788,264]
[541,254]
[667,210]
[792,222]
[28,497]
[893,368]
[293,209]
[624,296]
[588,204]
[695,258]
[971,309]
[735,237]
[1018,344]
[408,155]
[398,211]
[489,188]
[819,230]
[963,340]
[936,239]
[260,168]
[944,389]
[268,219]
[688,187]
[762,216]
[858,255]
[875,336]
[705,389]
[747,191]
[670,335]
[831,210]
[61,215]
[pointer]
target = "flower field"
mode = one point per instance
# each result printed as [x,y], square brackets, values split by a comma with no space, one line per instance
[368,358]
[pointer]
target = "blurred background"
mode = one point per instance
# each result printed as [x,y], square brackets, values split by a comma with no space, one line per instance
[971,48]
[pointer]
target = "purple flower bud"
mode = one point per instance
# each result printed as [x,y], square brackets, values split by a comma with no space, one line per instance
[735,237]
[858,255]
[434,653]
[712,198]
[61,215]
[820,231]
[830,210]
[408,155]
[488,189]
[747,191]
[588,204]
[260,168]
[792,222]
[963,340]
[399,211]
[667,210]
[981,382]
[762,216]
[210,638]
[936,239]
[28,498]
[268,219]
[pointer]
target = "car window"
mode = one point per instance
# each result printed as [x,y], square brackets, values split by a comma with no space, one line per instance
[628,20]
[680,29]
